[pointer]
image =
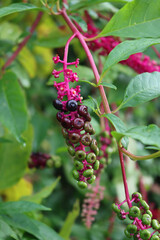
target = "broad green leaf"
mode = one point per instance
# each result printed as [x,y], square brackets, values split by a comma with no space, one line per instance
[7,231]
[67,227]
[36,228]
[142,88]
[123,50]
[89,3]
[149,135]
[54,42]
[108,85]
[44,193]
[17,7]
[4,140]
[21,74]
[85,81]
[118,125]
[11,32]
[137,19]
[21,207]
[13,105]
[14,158]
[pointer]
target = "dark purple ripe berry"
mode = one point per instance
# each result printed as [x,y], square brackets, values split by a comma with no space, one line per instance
[82,110]
[57,104]
[78,123]
[72,105]
[66,123]
[86,139]
[59,116]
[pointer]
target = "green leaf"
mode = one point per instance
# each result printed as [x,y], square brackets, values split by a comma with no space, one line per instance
[137,19]
[67,227]
[144,87]
[14,158]
[118,125]
[4,140]
[17,7]
[36,228]
[108,85]
[123,50]
[81,22]
[44,193]
[7,231]
[92,84]
[89,3]
[149,135]
[21,74]
[13,105]
[54,42]
[21,207]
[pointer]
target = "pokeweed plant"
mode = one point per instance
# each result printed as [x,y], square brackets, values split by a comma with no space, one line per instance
[90,154]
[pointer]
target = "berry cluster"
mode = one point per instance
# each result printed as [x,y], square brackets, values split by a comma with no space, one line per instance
[39,160]
[77,128]
[143,227]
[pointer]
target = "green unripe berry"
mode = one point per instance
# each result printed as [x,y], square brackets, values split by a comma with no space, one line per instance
[92,179]
[146,219]
[96,165]
[137,194]
[132,228]
[74,137]
[134,211]
[155,224]
[119,215]
[86,139]
[144,204]
[100,153]
[88,173]
[149,213]
[115,208]
[127,233]
[78,165]
[91,157]
[80,155]
[102,160]
[135,237]
[82,184]
[154,237]
[71,150]
[93,144]
[75,174]
[65,133]
[50,163]
[88,127]
[96,151]
[145,234]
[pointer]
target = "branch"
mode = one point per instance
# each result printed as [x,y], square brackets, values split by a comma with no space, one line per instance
[23,43]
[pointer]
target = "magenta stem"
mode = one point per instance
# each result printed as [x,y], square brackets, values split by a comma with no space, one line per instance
[156,51]
[23,43]
[124,178]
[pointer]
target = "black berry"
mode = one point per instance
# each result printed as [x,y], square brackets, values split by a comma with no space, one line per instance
[72,105]
[66,123]
[78,123]
[57,104]
[82,110]
[59,116]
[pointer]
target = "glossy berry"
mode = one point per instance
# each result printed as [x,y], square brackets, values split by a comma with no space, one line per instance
[80,155]
[65,133]
[71,150]
[88,127]
[74,137]
[75,174]
[78,165]
[66,123]
[59,116]
[127,233]
[96,165]
[144,204]
[78,123]
[145,234]
[154,237]
[91,157]
[86,139]
[150,213]
[57,104]
[92,179]
[82,110]
[71,105]
[155,224]
[132,228]
[134,211]
[88,117]
[88,173]
[82,184]
[146,219]
[137,195]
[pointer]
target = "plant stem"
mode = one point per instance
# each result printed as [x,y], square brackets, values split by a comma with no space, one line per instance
[23,43]
[134,157]
[156,51]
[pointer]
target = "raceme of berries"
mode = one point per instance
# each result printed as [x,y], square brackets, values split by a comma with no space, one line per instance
[39,160]
[143,226]
[76,125]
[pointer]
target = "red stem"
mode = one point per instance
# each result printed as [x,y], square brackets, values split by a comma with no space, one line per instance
[156,51]
[23,43]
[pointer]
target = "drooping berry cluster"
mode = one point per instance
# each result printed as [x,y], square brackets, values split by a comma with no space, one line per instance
[143,227]
[77,128]
[39,160]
